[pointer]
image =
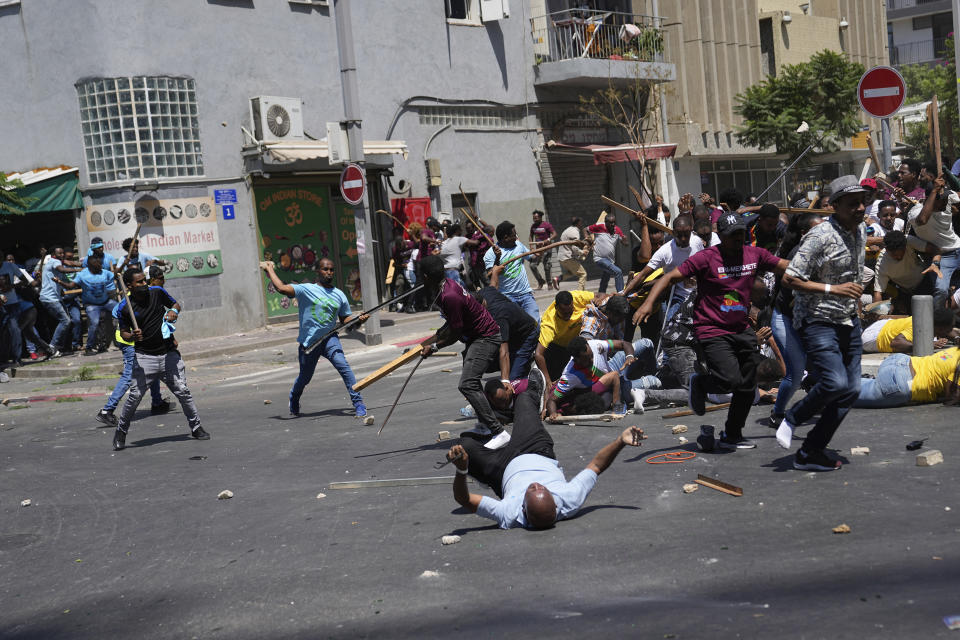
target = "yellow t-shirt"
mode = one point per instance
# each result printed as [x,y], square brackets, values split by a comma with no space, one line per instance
[891,330]
[561,332]
[932,374]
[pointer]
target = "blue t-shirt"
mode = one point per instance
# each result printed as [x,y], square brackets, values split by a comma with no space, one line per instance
[49,289]
[513,281]
[108,260]
[521,473]
[142,259]
[13,271]
[96,286]
[320,310]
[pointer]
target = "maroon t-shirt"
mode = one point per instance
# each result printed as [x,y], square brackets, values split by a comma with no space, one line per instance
[464,315]
[426,237]
[541,230]
[723,288]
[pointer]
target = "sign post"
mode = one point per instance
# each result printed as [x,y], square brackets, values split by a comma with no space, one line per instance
[881,93]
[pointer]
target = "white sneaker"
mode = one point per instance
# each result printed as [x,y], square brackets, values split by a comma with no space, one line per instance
[785,434]
[639,395]
[498,441]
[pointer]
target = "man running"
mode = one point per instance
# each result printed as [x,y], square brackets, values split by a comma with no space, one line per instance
[320,305]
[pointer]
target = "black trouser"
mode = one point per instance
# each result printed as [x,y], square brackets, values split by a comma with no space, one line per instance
[731,362]
[476,359]
[556,358]
[529,436]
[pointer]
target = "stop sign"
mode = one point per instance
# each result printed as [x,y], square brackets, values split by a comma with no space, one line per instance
[881,92]
[353,184]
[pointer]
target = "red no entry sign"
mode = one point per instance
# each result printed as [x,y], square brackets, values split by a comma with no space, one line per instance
[353,184]
[881,92]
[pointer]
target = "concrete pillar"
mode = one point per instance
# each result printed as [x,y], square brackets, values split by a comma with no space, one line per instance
[922,308]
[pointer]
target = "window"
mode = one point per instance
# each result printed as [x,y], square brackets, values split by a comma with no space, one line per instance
[923,22]
[463,11]
[140,127]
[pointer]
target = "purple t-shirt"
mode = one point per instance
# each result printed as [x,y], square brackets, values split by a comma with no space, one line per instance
[464,315]
[541,231]
[723,288]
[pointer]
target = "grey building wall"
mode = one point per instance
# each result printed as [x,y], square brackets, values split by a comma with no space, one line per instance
[235,49]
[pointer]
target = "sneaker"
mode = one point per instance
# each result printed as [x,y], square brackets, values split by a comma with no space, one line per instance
[89,352]
[536,381]
[775,419]
[706,439]
[160,408]
[4,377]
[556,283]
[639,397]
[498,441]
[696,396]
[53,354]
[119,440]
[360,410]
[814,461]
[107,418]
[619,409]
[294,407]
[34,356]
[732,444]
[785,434]
[199,433]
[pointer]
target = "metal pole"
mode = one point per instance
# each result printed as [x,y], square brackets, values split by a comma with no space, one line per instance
[886,156]
[361,212]
[921,308]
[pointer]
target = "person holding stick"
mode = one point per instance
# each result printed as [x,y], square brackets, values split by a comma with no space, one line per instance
[320,306]
[513,282]
[727,345]
[147,323]
[933,222]
[469,321]
[570,257]
[604,238]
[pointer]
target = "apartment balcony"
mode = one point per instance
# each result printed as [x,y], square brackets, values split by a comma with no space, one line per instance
[581,48]
[924,51]
[901,9]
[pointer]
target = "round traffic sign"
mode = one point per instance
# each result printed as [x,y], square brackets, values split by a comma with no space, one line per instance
[353,184]
[881,91]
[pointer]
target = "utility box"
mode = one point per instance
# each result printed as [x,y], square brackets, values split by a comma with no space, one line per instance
[433,173]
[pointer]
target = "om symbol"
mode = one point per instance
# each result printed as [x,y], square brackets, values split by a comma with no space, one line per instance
[294,215]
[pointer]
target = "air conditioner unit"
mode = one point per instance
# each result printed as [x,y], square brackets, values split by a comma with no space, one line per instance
[276,118]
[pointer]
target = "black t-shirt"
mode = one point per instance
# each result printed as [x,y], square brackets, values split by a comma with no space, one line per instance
[515,323]
[150,319]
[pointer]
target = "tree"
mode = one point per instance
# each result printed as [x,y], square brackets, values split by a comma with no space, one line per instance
[11,202]
[821,92]
[925,81]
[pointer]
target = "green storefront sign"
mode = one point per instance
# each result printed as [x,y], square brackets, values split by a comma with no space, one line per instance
[298,226]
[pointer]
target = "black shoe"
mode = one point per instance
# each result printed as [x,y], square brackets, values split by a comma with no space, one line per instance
[107,418]
[200,434]
[774,420]
[706,439]
[535,381]
[732,444]
[89,352]
[158,409]
[119,440]
[696,396]
[814,461]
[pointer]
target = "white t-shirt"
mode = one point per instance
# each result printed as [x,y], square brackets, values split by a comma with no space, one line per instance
[879,231]
[452,252]
[671,255]
[566,251]
[938,231]
[907,272]
[413,259]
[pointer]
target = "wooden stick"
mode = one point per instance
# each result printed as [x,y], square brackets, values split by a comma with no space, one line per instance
[690,412]
[823,212]
[136,241]
[719,485]
[395,219]
[356,318]
[479,228]
[390,367]
[884,183]
[604,417]
[650,221]
[123,290]
[545,247]
[402,389]
[72,291]
[394,482]
[873,155]
[935,130]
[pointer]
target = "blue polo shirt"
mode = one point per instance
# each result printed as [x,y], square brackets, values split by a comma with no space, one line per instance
[96,286]
[320,309]
[513,281]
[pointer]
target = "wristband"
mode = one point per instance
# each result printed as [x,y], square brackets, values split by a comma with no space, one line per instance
[461,472]
[826,288]
[174,310]
[504,380]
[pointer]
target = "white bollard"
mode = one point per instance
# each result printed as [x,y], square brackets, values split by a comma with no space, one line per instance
[922,308]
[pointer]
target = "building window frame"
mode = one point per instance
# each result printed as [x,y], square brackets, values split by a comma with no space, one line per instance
[468,9]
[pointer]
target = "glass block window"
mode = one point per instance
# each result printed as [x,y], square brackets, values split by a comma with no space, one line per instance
[473,117]
[140,128]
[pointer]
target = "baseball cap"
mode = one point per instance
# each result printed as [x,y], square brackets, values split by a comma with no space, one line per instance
[730,222]
[844,185]
[869,183]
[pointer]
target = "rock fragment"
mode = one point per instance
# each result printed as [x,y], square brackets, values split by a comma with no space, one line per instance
[929,458]
[226,494]
[860,451]
[450,539]
[843,528]
[26,503]
[678,428]
[690,488]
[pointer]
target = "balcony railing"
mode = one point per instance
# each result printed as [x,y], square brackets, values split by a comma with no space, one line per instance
[917,52]
[893,5]
[611,35]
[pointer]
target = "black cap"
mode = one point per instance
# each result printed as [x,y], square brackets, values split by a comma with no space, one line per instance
[730,222]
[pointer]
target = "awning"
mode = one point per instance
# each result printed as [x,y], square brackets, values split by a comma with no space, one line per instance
[53,188]
[607,154]
[292,151]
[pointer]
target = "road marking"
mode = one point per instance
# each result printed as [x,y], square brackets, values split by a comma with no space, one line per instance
[238,380]
[881,92]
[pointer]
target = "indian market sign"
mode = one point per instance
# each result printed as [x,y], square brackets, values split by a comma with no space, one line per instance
[182,231]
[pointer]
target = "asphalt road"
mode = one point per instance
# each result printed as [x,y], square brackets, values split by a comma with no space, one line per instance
[136,543]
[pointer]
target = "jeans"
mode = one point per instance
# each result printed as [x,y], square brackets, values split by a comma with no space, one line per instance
[527,303]
[332,350]
[147,369]
[56,311]
[72,306]
[476,359]
[609,269]
[520,359]
[949,262]
[793,356]
[891,387]
[93,320]
[732,364]
[833,351]
[126,379]
[645,365]
[8,320]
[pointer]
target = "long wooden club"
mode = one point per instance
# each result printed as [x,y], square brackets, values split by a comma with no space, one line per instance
[545,247]
[650,221]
